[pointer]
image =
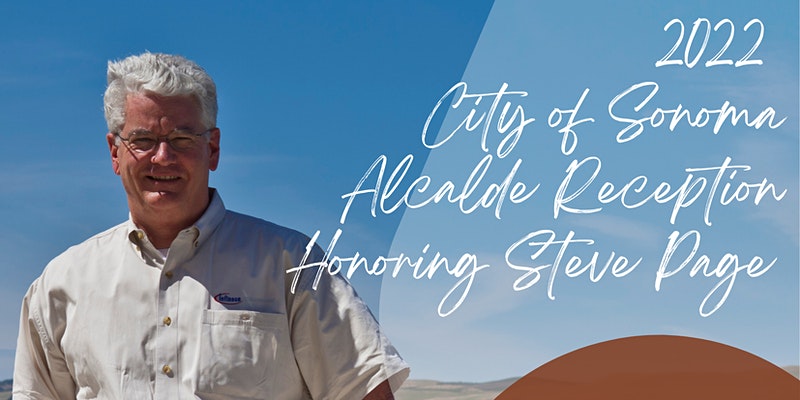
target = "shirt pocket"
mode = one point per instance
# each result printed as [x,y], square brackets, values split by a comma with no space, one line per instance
[239,353]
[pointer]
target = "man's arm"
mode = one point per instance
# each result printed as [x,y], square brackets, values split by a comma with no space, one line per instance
[381,392]
[40,372]
[338,344]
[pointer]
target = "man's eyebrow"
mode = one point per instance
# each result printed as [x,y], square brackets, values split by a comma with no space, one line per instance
[140,131]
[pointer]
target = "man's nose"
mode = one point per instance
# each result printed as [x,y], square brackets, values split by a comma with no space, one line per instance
[164,153]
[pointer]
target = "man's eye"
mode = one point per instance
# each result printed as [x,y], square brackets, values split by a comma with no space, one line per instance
[182,142]
[143,143]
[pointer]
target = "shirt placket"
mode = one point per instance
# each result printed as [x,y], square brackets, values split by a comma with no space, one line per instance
[167,339]
[168,346]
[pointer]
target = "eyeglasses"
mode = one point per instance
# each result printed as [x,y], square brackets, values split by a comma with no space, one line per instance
[142,141]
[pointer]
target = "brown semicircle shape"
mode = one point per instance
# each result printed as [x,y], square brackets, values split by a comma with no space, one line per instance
[656,367]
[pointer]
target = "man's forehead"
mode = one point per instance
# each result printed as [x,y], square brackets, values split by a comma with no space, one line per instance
[147,105]
[154,98]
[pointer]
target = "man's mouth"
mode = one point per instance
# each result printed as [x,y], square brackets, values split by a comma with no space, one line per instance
[164,178]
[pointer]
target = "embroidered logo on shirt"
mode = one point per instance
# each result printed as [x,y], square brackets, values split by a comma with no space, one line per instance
[225,298]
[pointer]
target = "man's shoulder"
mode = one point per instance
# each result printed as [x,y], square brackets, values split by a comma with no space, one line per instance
[75,263]
[96,242]
[243,225]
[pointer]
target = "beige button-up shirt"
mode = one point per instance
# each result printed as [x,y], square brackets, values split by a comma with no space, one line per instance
[112,318]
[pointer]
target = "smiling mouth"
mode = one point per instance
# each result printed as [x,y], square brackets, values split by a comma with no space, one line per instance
[164,178]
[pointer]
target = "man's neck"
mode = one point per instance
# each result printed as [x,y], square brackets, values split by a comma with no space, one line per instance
[161,230]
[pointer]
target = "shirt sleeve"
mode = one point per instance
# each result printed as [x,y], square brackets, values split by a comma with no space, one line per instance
[339,346]
[40,371]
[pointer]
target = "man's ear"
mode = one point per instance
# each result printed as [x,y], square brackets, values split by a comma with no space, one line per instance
[213,149]
[113,149]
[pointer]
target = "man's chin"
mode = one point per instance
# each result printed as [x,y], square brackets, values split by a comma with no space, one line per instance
[162,199]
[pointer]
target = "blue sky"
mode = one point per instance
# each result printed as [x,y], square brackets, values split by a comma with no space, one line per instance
[311,94]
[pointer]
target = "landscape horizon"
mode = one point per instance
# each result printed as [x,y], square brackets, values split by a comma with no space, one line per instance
[426,389]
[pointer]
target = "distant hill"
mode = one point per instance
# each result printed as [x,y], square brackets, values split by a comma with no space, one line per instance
[5,390]
[418,389]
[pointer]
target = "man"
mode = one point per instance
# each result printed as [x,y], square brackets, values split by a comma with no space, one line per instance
[187,299]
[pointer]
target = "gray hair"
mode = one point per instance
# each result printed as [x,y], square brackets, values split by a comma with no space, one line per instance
[160,74]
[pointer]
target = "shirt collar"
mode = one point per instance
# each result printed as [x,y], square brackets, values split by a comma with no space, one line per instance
[210,219]
[200,231]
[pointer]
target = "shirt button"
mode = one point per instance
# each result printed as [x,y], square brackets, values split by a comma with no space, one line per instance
[167,370]
[168,274]
[140,235]
[167,321]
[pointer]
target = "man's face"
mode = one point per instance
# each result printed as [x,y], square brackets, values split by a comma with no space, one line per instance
[165,185]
